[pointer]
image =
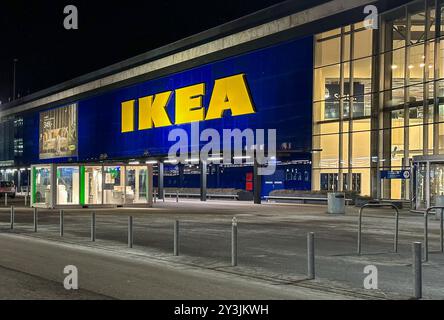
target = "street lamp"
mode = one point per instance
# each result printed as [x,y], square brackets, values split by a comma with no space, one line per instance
[13,83]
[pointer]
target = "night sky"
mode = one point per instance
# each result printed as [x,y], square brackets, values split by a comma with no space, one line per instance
[33,32]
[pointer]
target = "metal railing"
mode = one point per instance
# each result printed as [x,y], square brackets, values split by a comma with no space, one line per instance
[426,230]
[378,205]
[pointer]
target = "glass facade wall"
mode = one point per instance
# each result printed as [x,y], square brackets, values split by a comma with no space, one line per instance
[82,185]
[394,108]
[342,109]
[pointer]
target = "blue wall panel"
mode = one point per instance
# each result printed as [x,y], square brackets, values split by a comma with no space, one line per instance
[279,79]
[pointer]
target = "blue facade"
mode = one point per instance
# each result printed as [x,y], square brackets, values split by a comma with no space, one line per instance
[279,79]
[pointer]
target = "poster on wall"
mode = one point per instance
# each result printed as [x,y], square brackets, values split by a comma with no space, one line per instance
[58,133]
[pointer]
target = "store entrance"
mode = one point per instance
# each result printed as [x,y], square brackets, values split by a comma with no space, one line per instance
[428,181]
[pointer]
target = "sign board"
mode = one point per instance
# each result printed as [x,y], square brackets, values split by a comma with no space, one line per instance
[8,163]
[397,174]
[58,132]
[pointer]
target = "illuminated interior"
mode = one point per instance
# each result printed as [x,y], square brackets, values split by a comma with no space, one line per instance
[402,104]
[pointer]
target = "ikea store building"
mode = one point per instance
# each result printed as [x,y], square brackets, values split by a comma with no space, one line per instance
[358,107]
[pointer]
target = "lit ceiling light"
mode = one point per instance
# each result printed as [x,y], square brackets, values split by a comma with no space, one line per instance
[394,66]
[171,161]
[411,66]
[151,162]
[422,65]
[241,157]
[215,159]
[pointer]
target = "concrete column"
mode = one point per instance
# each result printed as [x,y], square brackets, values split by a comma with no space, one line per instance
[19,173]
[53,193]
[203,180]
[160,189]
[257,183]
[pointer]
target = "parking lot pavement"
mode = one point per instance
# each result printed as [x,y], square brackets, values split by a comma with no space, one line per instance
[105,274]
[272,241]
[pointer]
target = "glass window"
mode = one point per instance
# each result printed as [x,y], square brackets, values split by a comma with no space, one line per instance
[361,149]
[399,28]
[362,73]
[113,192]
[397,68]
[416,95]
[68,185]
[93,177]
[326,83]
[328,51]
[363,46]
[397,98]
[42,185]
[417,21]
[136,184]
[329,146]
[417,64]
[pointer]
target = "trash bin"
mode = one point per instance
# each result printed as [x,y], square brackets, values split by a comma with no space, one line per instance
[439,203]
[336,203]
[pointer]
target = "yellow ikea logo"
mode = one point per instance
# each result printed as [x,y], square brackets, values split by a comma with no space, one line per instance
[229,93]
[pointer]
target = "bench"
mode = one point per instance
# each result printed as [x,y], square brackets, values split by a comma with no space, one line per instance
[197,195]
[303,199]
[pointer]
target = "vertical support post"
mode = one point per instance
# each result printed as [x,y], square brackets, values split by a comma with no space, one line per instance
[310,256]
[395,245]
[19,184]
[36,219]
[441,230]
[93,227]
[257,183]
[53,193]
[26,200]
[177,195]
[6,199]
[203,181]
[176,238]
[12,217]
[417,270]
[62,218]
[234,242]
[130,231]
[360,231]
[160,192]
[426,236]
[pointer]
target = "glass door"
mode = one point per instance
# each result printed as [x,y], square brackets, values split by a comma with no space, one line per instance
[92,185]
[421,186]
[136,184]
[436,182]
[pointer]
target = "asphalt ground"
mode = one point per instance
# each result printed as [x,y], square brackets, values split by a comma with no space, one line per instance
[271,238]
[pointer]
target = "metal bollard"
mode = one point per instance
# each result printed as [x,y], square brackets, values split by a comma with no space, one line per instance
[311,256]
[35,213]
[12,217]
[6,199]
[130,232]
[26,200]
[176,238]
[93,227]
[234,242]
[177,196]
[441,230]
[61,222]
[417,270]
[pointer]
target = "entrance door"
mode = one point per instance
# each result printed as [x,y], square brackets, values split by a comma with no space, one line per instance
[421,186]
[436,181]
